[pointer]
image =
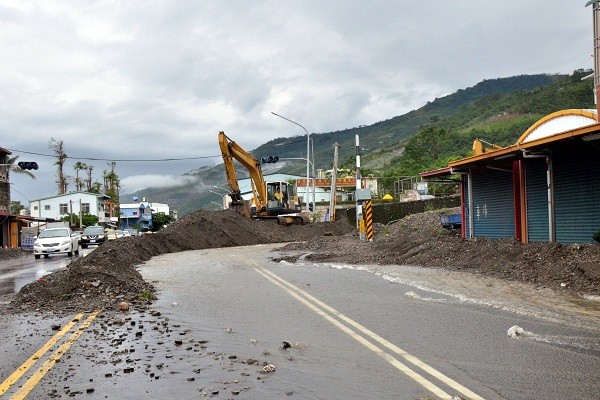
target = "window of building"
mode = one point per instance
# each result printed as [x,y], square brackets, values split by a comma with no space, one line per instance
[47,207]
[85,208]
[63,208]
[35,208]
[135,213]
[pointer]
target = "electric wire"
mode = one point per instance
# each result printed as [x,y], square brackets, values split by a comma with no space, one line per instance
[112,159]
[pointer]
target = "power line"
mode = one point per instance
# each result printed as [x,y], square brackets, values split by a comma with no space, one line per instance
[112,159]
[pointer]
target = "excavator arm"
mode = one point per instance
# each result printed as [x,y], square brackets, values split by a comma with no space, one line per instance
[231,151]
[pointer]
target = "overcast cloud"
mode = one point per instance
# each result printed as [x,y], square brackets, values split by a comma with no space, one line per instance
[150,79]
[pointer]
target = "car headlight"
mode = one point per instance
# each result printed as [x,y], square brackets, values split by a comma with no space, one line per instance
[36,244]
[65,242]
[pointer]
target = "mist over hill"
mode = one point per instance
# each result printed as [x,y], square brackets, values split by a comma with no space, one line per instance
[498,110]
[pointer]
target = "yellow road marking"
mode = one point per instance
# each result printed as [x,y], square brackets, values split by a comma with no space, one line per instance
[39,374]
[37,355]
[307,299]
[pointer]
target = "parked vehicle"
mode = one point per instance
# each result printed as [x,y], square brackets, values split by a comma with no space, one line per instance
[451,221]
[111,234]
[132,231]
[92,235]
[56,241]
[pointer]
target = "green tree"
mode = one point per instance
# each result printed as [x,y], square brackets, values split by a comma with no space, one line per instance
[16,207]
[159,220]
[86,220]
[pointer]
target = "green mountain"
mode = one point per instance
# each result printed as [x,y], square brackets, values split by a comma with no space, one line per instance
[497,111]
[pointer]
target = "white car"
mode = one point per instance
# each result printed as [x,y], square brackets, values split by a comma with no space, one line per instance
[56,241]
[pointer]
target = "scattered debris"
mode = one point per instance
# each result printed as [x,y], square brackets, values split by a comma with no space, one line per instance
[267,368]
[285,345]
[516,331]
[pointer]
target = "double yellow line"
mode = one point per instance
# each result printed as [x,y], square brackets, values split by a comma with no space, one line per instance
[49,363]
[350,327]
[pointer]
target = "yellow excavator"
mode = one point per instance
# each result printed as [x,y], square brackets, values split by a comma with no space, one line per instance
[270,199]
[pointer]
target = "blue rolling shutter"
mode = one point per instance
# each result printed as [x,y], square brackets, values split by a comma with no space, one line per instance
[493,210]
[537,200]
[577,194]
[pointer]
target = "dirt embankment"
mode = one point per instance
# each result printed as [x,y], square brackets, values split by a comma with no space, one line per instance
[108,276]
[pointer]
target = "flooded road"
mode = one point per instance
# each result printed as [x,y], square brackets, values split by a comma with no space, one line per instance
[232,323]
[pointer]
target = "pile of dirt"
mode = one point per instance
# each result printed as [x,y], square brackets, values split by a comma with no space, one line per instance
[108,276]
[419,239]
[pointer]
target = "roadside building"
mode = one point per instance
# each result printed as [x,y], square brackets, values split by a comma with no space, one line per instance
[322,188]
[544,188]
[139,215]
[11,225]
[59,206]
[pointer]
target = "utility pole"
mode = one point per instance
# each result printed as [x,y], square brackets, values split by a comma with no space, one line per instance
[332,199]
[359,215]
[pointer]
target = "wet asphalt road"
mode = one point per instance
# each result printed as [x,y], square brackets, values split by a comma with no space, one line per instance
[225,316]
[16,273]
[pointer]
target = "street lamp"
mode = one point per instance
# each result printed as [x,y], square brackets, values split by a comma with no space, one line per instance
[222,198]
[219,187]
[307,153]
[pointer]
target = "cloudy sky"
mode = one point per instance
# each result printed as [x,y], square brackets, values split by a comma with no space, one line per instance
[131,80]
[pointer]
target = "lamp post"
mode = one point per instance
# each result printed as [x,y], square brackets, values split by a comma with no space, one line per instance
[307,153]
[222,198]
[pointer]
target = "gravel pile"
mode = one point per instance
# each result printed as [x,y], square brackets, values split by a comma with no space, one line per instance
[107,276]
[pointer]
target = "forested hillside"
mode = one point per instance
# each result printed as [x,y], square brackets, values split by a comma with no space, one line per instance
[498,119]
[497,111]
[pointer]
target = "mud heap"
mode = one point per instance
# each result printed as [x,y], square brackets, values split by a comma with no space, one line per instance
[108,276]
[419,239]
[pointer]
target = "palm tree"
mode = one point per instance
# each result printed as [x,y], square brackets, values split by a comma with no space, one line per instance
[13,167]
[79,166]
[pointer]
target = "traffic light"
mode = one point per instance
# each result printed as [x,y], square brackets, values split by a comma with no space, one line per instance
[27,165]
[270,159]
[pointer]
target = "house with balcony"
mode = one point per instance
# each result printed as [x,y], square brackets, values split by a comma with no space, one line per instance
[78,203]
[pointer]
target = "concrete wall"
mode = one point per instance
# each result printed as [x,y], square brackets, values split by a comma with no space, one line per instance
[387,212]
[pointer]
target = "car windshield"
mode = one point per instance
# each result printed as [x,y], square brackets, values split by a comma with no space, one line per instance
[52,233]
[93,230]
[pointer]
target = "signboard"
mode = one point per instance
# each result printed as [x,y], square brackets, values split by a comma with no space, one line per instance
[27,238]
[321,182]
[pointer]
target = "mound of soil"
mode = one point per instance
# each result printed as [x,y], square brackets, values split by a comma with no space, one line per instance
[419,239]
[108,276]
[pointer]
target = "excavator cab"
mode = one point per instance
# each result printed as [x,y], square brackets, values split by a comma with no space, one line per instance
[280,197]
